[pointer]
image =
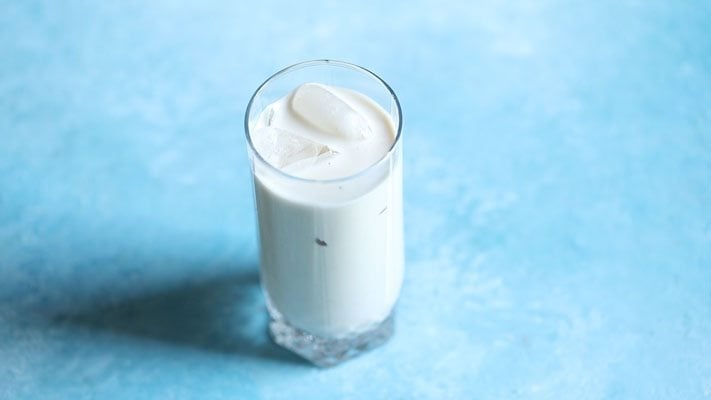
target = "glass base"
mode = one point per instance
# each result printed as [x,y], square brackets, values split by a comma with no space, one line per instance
[327,352]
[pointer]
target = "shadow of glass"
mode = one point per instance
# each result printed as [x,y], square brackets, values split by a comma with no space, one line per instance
[225,315]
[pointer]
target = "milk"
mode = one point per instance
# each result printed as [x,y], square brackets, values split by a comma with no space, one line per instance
[330,223]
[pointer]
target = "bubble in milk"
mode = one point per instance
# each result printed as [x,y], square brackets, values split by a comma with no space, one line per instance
[329,113]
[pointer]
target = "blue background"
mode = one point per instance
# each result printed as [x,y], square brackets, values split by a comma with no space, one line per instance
[557,186]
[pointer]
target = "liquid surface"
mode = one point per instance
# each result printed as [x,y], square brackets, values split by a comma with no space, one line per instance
[323,132]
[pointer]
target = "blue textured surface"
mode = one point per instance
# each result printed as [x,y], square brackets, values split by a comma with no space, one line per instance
[558,198]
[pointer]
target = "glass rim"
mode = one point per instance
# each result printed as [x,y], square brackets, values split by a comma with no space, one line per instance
[311,63]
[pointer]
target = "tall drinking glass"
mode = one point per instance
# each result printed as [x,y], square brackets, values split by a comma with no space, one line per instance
[331,251]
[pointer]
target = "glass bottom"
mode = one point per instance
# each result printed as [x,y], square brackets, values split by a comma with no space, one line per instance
[327,352]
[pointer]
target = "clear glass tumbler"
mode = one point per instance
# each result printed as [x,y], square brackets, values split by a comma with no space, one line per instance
[331,251]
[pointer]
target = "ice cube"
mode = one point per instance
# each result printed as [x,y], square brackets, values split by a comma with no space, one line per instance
[268,115]
[328,112]
[282,148]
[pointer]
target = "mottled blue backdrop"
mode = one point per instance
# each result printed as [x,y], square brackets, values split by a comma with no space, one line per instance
[558,198]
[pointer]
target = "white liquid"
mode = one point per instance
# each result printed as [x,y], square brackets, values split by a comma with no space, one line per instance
[332,253]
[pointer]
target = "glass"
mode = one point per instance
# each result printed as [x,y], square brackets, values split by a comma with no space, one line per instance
[331,251]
